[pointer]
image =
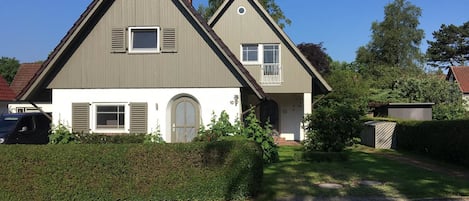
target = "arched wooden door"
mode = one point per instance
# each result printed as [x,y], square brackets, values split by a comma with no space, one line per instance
[185,116]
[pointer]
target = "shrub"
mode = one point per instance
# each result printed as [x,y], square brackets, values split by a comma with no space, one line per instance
[444,140]
[331,128]
[229,170]
[61,134]
[154,137]
[262,136]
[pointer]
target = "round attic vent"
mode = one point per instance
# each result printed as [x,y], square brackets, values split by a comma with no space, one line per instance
[241,10]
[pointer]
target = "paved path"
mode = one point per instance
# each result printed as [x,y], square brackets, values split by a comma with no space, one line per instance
[309,198]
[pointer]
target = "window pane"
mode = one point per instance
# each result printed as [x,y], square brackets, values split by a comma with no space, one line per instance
[271,54]
[110,116]
[144,39]
[250,53]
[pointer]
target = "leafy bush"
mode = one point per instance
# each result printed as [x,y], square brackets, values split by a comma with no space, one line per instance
[61,134]
[262,136]
[331,129]
[229,170]
[222,129]
[444,140]
[154,137]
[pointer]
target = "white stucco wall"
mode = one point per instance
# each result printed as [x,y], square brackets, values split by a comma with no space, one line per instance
[210,99]
[465,97]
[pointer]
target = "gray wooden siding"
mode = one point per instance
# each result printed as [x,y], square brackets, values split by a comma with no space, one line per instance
[94,65]
[81,117]
[138,118]
[235,30]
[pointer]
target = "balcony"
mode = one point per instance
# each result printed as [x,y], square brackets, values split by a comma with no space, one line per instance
[271,74]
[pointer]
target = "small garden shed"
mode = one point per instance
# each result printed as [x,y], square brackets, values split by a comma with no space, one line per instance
[379,134]
[405,111]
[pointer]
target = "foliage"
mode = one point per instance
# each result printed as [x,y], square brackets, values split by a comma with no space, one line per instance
[60,134]
[395,41]
[316,55]
[217,128]
[262,136]
[194,171]
[154,137]
[331,128]
[446,96]
[445,140]
[451,46]
[8,68]
[272,8]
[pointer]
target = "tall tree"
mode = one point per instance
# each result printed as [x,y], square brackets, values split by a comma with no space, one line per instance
[395,41]
[316,55]
[8,68]
[451,46]
[272,8]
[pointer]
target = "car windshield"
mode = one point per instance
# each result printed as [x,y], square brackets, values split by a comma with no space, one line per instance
[7,123]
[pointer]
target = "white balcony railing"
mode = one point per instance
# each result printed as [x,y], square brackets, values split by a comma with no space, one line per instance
[271,74]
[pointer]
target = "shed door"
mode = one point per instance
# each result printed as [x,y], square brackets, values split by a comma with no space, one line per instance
[185,120]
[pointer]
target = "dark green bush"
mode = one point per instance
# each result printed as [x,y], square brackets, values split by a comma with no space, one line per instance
[229,170]
[444,140]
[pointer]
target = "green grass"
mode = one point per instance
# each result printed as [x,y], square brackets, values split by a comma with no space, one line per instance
[297,178]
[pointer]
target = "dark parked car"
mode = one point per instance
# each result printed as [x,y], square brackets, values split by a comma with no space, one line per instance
[24,128]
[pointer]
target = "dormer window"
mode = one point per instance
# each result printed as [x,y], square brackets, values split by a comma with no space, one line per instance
[144,40]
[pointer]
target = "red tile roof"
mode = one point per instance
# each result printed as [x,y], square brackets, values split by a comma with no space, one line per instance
[6,94]
[25,73]
[461,75]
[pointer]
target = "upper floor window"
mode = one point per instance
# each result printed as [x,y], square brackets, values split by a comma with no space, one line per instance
[144,39]
[250,53]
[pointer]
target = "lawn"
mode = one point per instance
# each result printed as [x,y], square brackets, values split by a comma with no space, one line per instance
[296,178]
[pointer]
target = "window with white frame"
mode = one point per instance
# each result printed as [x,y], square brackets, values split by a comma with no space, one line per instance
[110,116]
[250,53]
[144,39]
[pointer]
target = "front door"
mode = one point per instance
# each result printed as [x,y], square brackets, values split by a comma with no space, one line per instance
[185,120]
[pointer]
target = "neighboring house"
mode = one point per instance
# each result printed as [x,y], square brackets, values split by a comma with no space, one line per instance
[24,75]
[460,75]
[6,95]
[128,66]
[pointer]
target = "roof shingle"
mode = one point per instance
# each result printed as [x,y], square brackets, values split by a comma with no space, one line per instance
[25,73]
[461,75]
[6,94]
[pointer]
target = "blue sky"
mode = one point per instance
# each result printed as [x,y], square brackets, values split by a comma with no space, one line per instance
[32,28]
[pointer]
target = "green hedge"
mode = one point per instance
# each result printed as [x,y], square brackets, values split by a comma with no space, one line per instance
[196,171]
[444,140]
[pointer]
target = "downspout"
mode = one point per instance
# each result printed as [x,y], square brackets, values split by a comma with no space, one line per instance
[40,110]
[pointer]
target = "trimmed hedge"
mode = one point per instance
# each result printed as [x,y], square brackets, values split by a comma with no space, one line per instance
[444,140]
[229,170]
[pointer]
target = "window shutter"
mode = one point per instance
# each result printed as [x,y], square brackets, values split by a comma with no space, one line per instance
[138,118]
[169,40]
[118,40]
[81,117]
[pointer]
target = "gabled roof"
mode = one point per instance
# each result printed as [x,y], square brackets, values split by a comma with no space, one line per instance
[461,75]
[6,94]
[325,87]
[25,73]
[88,20]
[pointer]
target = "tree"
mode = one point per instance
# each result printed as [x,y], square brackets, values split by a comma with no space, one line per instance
[395,41]
[272,8]
[317,56]
[8,68]
[451,46]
